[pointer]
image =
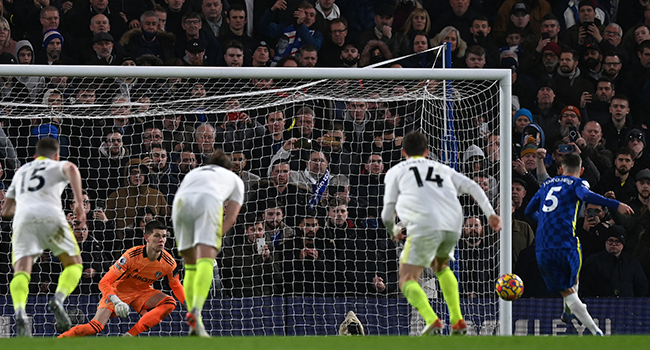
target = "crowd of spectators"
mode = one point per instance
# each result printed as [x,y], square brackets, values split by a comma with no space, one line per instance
[314,173]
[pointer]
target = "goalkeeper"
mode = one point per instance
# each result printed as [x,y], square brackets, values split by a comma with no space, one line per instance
[128,285]
[424,193]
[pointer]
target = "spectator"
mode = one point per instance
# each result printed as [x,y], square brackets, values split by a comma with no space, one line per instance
[481,36]
[176,9]
[357,124]
[212,13]
[397,43]
[475,57]
[142,148]
[618,124]
[176,135]
[417,21]
[333,143]
[458,45]
[368,187]
[274,225]
[538,10]
[543,64]
[247,265]
[598,109]
[518,22]
[547,109]
[122,205]
[261,55]
[97,225]
[147,40]
[268,145]
[589,27]
[329,52]
[614,183]
[612,65]
[594,147]
[300,33]
[591,229]
[52,46]
[308,56]
[204,137]
[50,19]
[162,18]
[478,267]
[193,32]
[194,54]
[613,272]
[25,55]
[636,141]
[308,261]
[84,15]
[278,187]
[236,30]
[328,10]
[103,174]
[239,129]
[572,88]
[374,52]
[186,163]
[523,236]
[7,44]
[160,176]
[103,49]
[234,54]
[460,17]
[239,161]
[96,261]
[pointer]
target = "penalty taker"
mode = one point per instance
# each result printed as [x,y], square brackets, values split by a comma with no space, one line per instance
[128,285]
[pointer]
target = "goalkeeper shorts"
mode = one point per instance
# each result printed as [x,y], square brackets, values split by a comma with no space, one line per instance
[136,301]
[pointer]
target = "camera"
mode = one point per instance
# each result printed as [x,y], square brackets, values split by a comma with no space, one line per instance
[566,148]
[591,213]
[585,26]
[331,141]
[302,143]
[546,36]
[100,204]
[573,133]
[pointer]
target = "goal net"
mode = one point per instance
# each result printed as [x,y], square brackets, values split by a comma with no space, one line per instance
[312,146]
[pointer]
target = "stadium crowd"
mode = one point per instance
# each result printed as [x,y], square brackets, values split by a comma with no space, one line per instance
[314,174]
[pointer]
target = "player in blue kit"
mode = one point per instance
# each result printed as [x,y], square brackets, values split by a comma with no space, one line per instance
[559,256]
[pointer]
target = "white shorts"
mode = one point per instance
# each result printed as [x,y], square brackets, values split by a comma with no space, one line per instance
[31,238]
[421,250]
[198,218]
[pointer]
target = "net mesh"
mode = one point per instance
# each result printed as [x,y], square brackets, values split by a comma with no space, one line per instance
[277,273]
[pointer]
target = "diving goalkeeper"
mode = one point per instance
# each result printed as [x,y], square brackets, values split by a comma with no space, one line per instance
[128,285]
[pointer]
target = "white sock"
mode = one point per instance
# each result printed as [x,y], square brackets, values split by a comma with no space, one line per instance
[580,311]
[567,309]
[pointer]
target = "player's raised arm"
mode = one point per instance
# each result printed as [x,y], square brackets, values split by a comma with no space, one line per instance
[72,172]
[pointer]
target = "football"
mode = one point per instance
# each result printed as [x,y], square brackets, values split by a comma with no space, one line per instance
[510,287]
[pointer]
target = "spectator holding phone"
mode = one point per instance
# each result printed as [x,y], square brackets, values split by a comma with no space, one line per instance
[589,229]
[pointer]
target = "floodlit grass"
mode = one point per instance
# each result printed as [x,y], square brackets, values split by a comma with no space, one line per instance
[331,343]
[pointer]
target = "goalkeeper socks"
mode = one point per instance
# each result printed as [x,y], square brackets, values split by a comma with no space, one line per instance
[68,281]
[91,328]
[202,282]
[418,299]
[188,284]
[449,287]
[154,316]
[580,311]
[19,289]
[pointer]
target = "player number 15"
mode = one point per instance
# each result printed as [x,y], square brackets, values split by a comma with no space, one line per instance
[551,197]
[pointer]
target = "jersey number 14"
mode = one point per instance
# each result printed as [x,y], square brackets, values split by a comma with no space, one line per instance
[430,177]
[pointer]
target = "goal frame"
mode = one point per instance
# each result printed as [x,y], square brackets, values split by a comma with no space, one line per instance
[505,113]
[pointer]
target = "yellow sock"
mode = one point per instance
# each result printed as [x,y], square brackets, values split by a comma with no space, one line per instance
[202,282]
[68,281]
[418,299]
[188,284]
[19,289]
[449,287]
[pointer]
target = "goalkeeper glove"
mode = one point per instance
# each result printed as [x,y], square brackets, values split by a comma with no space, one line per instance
[121,308]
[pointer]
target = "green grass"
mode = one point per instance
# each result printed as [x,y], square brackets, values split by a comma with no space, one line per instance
[330,343]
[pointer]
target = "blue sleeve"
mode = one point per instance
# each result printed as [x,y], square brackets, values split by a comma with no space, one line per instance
[532,210]
[594,198]
[303,33]
[270,29]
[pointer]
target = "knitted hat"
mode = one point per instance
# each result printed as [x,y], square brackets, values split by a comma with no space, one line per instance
[553,47]
[616,231]
[49,35]
[523,112]
[635,134]
[45,130]
[573,109]
[530,147]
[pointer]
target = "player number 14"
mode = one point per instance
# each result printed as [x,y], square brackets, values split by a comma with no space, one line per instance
[550,196]
[430,177]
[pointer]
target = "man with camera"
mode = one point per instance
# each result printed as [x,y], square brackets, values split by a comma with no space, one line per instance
[588,29]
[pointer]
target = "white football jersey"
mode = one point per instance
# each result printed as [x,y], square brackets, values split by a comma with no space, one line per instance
[213,180]
[426,192]
[37,187]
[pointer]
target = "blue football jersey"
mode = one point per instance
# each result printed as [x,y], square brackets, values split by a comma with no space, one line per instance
[557,204]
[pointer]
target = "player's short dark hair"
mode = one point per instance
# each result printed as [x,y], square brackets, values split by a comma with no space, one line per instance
[415,143]
[220,158]
[571,162]
[154,225]
[47,147]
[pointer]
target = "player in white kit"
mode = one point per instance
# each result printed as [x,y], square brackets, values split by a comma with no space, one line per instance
[34,202]
[424,193]
[199,225]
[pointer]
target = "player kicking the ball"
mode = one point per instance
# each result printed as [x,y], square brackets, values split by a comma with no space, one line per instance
[424,194]
[34,201]
[128,284]
[556,206]
[199,225]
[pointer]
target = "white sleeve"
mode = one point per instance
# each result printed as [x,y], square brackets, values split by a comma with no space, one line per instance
[237,194]
[282,154]
[390,198]
[466,186]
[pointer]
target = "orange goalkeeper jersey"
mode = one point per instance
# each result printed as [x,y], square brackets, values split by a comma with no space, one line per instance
[134,273]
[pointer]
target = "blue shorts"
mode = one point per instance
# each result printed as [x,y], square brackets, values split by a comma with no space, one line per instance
[559,267]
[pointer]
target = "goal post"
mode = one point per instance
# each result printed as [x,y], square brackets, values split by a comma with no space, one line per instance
[303,79]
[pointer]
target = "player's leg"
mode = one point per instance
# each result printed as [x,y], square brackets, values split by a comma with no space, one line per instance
[19,290]
[68,281]
[579,309]
[448,281]
[159,306]
[189,260]
[96,325]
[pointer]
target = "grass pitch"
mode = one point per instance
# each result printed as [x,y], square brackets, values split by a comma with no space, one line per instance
[330,343]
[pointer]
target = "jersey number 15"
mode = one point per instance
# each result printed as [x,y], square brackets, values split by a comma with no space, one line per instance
[35,176]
